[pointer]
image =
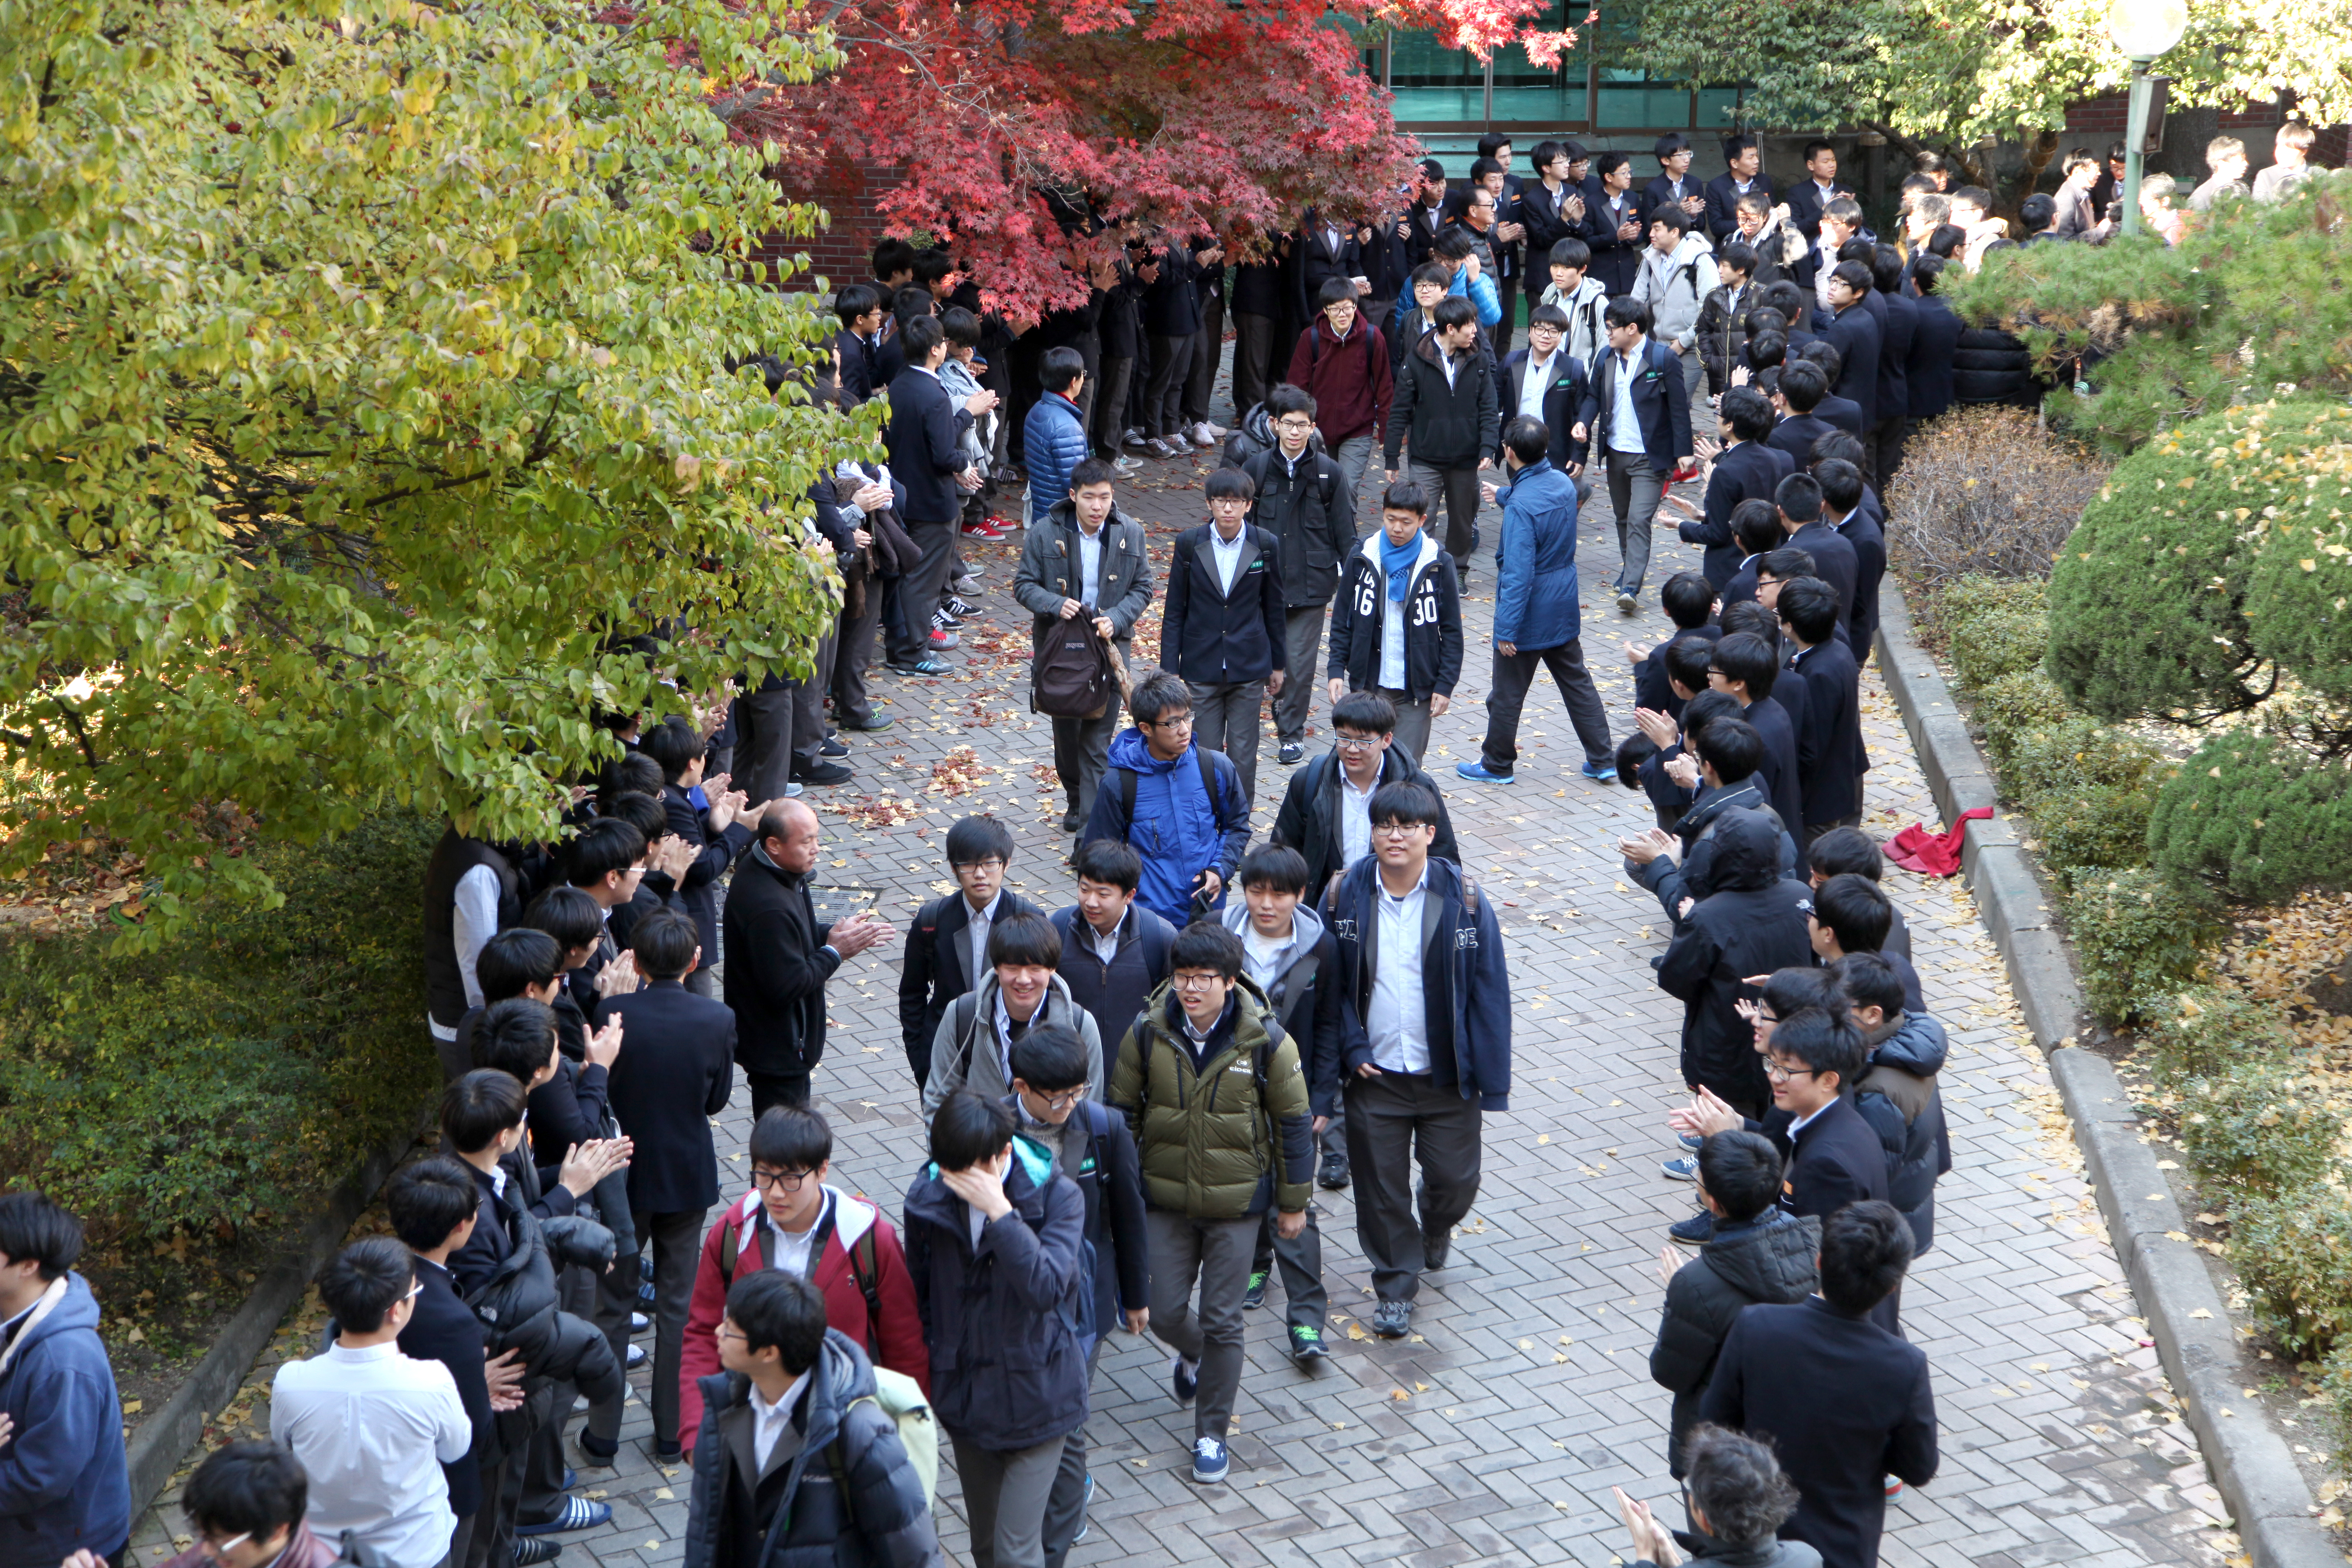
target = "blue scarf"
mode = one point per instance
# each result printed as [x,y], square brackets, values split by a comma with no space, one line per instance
[1397,560]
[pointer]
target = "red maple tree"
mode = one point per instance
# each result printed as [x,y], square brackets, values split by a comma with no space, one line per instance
[1009,117]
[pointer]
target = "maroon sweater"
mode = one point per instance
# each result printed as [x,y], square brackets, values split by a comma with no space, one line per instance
[1350,382]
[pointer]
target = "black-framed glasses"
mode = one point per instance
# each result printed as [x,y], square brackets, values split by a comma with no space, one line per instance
[1196,981]
[1062,1102]
[1779,1074]
[786,1181]
[1357,742]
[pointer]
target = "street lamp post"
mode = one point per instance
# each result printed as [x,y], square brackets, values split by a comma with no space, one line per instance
[2143,30]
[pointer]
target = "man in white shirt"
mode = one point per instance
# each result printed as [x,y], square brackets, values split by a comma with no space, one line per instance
[1425,1044]
[371,1427]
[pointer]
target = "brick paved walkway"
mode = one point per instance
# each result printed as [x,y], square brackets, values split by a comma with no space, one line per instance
[1496,1433]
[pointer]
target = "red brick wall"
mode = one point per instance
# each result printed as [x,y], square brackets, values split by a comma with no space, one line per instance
[841,252]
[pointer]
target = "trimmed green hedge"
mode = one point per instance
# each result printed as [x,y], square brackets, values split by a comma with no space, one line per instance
[214,1088]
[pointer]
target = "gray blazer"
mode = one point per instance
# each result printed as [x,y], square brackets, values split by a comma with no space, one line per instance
[1048,572]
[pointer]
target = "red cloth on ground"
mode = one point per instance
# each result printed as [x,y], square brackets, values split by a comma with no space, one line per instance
[1936,854]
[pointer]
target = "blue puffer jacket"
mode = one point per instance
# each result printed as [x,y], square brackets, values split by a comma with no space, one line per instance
[799,1517]
[65,1483]
[1001,1318]
[1535,560]
[1053,443]
[1177,826]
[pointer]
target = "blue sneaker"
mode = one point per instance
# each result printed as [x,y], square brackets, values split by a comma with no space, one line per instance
[1085,1525]
[1605,773]
[1684,1169]
[1210,1461]
[1479,772]
[1185,1376]
[1692,1141]
[577,1513]
[1696,1231]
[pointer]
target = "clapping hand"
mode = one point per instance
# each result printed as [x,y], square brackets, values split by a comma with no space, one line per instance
[504,1376]
[604,1044]
[619,977]
[585,1165]
[1642,848]
[1651,1541]
[854,934]
[1659,727]
[1683,769]
[1705,1115]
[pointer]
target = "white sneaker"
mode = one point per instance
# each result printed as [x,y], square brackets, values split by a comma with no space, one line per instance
[1216,432]
[1132,439]
[1126,465]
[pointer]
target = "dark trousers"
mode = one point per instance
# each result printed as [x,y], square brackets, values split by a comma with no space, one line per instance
[1065,1506]
[920,590]
[1506,295]
[543,1465]
[1208,350]
[1111,407]
[1302,633]
[1882,451]
[451,1054]
[1082,751]
[501,1462]
[1300,1262]
[1253,366]
[776,1088]
[1459,489]
[808,711]
[763,740]
[853,652]
[1163,394]
[1394,1121]
[1225,719]
[676,1242]
[1514,673]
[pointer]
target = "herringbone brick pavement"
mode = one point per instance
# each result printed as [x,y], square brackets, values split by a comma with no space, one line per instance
[1495,1433]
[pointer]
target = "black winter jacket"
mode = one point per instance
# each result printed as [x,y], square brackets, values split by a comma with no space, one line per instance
[778,964]
[1308,818]
[519,1306]
[1989,365]
[1754,925]
[1432,622]
[1312,518]
[1897,1095]
[1451,426]
[1692,875]
[1770,1258]
[798,1515]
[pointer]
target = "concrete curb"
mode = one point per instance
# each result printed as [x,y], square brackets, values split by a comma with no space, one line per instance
[2253,1467]
[156,1447]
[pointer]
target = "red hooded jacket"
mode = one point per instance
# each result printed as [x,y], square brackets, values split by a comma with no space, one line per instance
[896,1343]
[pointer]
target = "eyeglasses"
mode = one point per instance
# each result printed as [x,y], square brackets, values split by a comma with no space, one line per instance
[1301,424]
[1360,742]
[1062,1102]
[1196,981]
[1779,1074]
[1396,829]
[990,864]
[726,1331]
[786,1181]
[1181,721]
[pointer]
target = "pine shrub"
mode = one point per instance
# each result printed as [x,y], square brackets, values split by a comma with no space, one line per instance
[2256,818]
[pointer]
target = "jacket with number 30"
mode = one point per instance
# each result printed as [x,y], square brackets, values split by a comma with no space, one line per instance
[1433,621]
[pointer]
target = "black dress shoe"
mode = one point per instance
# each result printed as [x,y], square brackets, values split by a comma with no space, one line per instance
[1334,1174]
[833,749]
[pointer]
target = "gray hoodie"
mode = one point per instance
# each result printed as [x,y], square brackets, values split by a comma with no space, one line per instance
[1306,930]
[1673,286]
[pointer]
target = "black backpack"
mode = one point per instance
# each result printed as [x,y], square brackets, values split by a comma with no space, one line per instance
[1071,676]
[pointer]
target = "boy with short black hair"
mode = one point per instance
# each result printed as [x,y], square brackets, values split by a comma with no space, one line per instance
[1223,627]
[793,1220]
[431,1206]
[245,1504]
[1114,950]
[947,942]
[1688,599]
[1204,1220]
[65,1470]
[1748,667]
[993,1239]
[1850,849]
[1181,805]
[1326,814]
[1830,757]
[790,1390]
[1895,1091]
[370,1427]
[1581,297]
[1020,992]
[1055,1107]
[1306,501]
[1293,962]
[1853,914]
[1396,629]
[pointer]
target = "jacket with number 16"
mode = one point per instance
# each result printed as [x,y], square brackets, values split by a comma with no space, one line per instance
[1430,612]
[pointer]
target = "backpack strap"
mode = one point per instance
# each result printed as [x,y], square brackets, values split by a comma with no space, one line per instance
[1127,794]
[965,1009]
[730,1240]
[1157,942]
[866,1269]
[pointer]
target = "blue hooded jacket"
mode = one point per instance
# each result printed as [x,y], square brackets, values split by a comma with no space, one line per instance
[65,1482]
[1535,560]
[1177,827]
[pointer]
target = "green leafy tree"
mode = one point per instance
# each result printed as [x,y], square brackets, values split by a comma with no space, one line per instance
[363,385]
[1945,75]
[2249,302]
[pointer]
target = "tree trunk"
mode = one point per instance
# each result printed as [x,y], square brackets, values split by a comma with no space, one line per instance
[2038,153]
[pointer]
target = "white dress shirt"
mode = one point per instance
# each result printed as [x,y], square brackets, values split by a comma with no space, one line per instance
[1535,380]
[1355,817]
[771,1422]
[372,1429]
[1263,958]
[1625,424]
[981,922]
[1226,556]
[1392,637]
[795,1252]
[1398,1020]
